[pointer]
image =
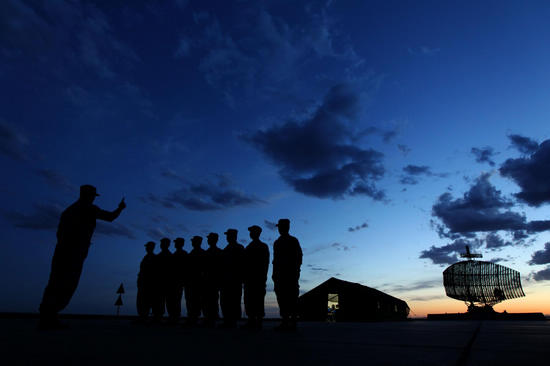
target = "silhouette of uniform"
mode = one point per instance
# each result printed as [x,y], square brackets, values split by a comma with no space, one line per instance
[179,272]
[195,281]
[232,282]
[166,281]
[212,278]
[256,263]
[287,259]
[146,283]
[74,235]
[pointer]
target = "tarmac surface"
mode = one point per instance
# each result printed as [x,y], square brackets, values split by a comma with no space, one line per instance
[415,342]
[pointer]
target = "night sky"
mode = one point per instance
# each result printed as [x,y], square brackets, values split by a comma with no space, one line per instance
[390,133]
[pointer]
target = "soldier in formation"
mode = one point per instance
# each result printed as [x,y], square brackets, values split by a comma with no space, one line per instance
[287,260]
[147,283]
[256,263]
[215,277]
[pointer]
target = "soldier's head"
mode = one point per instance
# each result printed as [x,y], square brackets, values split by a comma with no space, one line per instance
[150,247]
[283,226]
[179,242]
[196,242]
[255,232]
[231,235]
[164,243]
[212,239]
[88,193]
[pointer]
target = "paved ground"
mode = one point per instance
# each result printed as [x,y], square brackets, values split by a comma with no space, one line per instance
[119,342]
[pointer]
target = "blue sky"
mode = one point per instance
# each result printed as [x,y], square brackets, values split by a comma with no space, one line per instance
[369,124]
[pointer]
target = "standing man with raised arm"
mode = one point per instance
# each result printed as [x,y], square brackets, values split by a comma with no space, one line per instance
[287,260]
[74,235]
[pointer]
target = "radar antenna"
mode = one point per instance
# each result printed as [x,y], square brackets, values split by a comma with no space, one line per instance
[470,255]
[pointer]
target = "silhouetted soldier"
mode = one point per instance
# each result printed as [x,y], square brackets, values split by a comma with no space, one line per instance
[256,263]
[212,277]
[195,281]
[74,234]
[179,272]
[232,281]
[166,281]
[147,283]
[287,259]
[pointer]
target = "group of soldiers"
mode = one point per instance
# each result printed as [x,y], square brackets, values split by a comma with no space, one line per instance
[215,278]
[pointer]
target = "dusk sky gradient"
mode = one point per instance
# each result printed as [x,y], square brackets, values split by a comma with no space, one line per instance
[390,133]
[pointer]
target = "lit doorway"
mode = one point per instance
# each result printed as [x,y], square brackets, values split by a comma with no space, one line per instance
[332,307]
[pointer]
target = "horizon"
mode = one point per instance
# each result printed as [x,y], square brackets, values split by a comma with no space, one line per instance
[390,134]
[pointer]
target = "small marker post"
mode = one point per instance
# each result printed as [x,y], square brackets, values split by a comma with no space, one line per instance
[118,302]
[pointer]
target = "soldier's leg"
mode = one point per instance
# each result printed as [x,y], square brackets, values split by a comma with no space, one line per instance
[64,277]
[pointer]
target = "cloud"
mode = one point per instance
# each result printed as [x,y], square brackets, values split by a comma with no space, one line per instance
[531,174]
[493,241]
[484,155]
[316,268]
[317,157]
[44,217]
[340,246]
[270,225]
[358,227]
[447,254]
[414,286]
[523,144]
[542,275]
[206,196]
[13,144]
[423,50]
[405,150]
[335,246]
[414,171]
[541,256]
[482,208]
[56,179]
[114,229]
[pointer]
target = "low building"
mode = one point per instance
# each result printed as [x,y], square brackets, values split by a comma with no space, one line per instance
[341,300]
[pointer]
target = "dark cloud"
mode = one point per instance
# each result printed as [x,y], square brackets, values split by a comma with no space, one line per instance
[13,144]
[57,180]
[358,227]
[542,275]
[340,246]
[531,174]
[484,155]
[414,286]
[499,259]
[270,225]
[541,256]
[482,208]
[493,241]
[523,144]
[317,157]
[207,196]
[448,254]
[405,150]
[316,268]
[414,171]
[46,217]
[114,229]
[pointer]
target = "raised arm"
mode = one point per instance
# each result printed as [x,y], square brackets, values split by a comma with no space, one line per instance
[111,215]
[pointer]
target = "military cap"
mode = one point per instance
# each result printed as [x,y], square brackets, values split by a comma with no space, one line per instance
[231,231]
[196,238]
[214,235]
[150,244]
[283,222]
[88,189]
[177,240]
[165,240]
[255,229]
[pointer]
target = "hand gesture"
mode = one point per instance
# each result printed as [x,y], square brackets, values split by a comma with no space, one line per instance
[122,204]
